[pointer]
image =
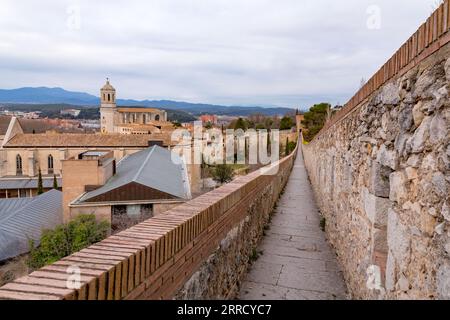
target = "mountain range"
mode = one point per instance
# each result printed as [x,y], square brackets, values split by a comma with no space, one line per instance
[45,95]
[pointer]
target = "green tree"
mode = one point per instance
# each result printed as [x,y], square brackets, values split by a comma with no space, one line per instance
[208,125]
[240,124]
[223,173]
[286,123]
[40,187]
[268,123]
[67,239]
[314,120]
[55,182]
[176,124]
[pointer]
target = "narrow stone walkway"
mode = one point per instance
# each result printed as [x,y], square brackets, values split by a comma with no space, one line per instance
[296,263]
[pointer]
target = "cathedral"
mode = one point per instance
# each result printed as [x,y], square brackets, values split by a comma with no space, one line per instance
[129,120]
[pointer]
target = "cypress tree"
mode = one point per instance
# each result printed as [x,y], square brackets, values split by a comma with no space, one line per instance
[55,182]
[40,187]
[287,151]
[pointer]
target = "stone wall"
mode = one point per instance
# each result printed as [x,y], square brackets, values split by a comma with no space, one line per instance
[381,176]
[200,249]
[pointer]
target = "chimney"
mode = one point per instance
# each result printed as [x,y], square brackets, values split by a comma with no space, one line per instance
[85,172]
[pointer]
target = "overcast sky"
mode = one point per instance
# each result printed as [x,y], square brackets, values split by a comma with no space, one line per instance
[235,52]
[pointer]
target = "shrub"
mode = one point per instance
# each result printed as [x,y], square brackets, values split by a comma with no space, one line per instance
[67,239]
[223,173]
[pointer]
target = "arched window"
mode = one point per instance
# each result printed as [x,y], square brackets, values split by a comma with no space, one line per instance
[157,117]
[109,97]
[19,168]
[50,163]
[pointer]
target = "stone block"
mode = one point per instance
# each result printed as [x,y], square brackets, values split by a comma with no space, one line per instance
[418,115]
[387,158]
[414,161]
[405,118]
[390,94]
[421,136]
[400,143]
[443,282]
[403,283]
[440,184]
[398,238]
[379,180]
[390,272]
[438,129]
[447,69]
[411,173]
[446,211]
[398,190]
[376,209]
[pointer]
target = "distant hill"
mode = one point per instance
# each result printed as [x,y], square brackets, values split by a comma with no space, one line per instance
[87,112]
[44,95]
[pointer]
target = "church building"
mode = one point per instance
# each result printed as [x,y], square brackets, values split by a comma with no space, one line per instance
[129,120]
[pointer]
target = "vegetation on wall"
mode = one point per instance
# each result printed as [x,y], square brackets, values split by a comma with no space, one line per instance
[67,239]
[223,173]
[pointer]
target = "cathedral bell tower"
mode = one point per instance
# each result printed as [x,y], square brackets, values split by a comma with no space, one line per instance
[107,107]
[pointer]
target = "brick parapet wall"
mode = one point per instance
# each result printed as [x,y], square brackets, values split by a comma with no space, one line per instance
[154,259]
[381,176]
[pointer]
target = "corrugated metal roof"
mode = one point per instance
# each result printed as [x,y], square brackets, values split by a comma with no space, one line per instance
[25,219]
[154,167]
[27,183]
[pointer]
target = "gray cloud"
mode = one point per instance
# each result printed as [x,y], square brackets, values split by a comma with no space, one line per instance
[267,52]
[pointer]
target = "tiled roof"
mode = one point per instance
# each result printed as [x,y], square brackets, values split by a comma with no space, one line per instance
[82,140]
[4,124]
[24,219]
[138,110]
[33,125]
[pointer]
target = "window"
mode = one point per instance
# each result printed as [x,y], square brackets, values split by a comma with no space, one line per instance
[157,117]
[50,163]
[144,118]
[109,97]
[134,117]
[23,193]
[19,165]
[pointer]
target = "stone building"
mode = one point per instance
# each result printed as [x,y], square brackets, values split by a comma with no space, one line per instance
[23,154]
[146,183]
[129,120]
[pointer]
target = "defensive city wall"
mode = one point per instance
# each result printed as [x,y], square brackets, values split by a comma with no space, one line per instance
[199,250]
[380,170]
